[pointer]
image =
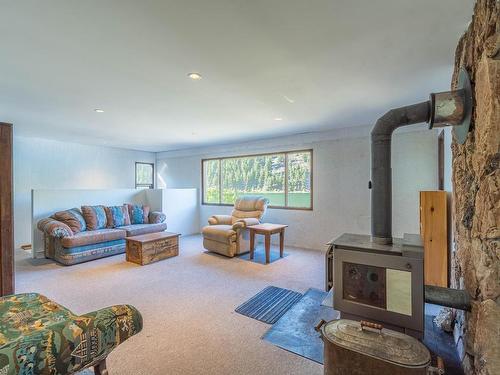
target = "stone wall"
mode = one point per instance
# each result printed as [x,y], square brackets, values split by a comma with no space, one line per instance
[476,193]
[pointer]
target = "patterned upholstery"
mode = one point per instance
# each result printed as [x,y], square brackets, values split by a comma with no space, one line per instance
[39,336]
[93,237]
[80,254]
[138,229]
[68,248]
[72,218]
[156,217]
[117,216]
[95,217]
[138,214]
[54,228]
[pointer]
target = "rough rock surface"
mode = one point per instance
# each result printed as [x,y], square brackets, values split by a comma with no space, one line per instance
[445,319]
[476,195]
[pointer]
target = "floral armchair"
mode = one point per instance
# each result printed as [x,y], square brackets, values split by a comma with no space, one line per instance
[39,336]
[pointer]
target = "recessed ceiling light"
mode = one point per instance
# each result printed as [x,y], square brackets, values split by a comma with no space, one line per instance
[194,76]
[278,119]
[98,110]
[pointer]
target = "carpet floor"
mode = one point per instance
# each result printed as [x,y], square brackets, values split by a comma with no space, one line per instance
[187,303]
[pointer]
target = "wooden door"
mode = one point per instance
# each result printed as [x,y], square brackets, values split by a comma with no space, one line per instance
[434,231]
[6,212]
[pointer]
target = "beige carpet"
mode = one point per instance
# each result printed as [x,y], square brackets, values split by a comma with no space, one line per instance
[187,303]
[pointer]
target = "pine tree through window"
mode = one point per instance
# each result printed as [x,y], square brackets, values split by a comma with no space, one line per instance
[285,178]
[144,175]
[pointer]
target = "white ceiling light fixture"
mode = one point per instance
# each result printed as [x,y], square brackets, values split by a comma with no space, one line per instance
[194,76]
[278,119]
[98,110]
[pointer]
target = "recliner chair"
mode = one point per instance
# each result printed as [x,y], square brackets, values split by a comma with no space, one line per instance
[227,234]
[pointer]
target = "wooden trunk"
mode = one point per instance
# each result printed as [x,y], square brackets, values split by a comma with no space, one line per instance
[152,247]
[434,231]
[6,213]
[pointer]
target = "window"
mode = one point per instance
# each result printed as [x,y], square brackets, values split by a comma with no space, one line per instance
[144,175]
[284,178]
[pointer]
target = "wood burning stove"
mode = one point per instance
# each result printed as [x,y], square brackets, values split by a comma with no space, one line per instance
[383,283]
[378,277]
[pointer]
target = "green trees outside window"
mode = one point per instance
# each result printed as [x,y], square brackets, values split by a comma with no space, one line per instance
[284,178]
[144,175]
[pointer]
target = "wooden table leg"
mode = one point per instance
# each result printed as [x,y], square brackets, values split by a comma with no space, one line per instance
[282,242]
[268,247]
[100,368]
[252,243]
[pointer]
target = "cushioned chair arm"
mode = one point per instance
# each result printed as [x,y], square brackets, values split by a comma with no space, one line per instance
[243,223]
[156,217]
[103,330]
[115,324]
[118,322]
[220,220]
[54,228]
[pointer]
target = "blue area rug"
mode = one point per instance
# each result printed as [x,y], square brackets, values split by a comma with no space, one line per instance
[270,304]
[295,330]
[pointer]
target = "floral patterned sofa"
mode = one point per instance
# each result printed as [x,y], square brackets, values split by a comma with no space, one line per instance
[39,336]
[92,232]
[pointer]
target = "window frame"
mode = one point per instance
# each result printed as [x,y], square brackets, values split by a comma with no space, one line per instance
[147,186]
[286,153]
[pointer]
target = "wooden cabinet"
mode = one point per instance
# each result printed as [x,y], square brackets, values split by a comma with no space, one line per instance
[434,231]
[6,221]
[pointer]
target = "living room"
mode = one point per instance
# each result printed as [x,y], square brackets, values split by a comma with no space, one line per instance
[229,187]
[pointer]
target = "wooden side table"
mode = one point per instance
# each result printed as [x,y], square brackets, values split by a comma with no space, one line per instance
[267,230]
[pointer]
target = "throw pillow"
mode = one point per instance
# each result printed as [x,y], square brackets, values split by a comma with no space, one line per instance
[138,214]
[95,217]
[72,218]
[117,216]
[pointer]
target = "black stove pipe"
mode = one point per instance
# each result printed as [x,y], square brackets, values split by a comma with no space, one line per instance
[381,175]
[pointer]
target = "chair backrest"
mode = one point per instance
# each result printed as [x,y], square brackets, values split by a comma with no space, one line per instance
[249,206]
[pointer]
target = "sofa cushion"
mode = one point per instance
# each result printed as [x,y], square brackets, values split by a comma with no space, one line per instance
[251,203]
[246,215]
[95,217]
[219,233]
[117,216]
[74,255]
[54,228]
[93,237]
[138,229]
[73,218]
[157,217]
[138,214]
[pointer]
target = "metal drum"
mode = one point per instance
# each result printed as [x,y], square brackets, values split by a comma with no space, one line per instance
[364,348]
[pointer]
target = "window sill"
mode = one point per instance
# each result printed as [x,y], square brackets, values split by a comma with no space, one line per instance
[269,207]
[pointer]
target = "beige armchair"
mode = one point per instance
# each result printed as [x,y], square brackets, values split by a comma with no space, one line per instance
[227,234]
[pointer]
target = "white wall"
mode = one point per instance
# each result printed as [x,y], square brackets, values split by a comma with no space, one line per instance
[341,173]
[182,209]
[46,164]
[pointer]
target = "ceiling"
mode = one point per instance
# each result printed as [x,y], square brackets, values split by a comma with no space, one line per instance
[317,65]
